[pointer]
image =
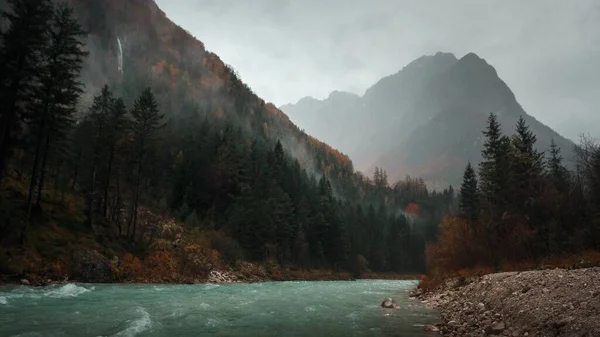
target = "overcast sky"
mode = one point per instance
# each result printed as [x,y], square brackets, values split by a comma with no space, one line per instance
[548,51]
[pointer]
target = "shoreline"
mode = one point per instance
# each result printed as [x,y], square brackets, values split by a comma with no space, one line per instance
[223,278]
[553,302]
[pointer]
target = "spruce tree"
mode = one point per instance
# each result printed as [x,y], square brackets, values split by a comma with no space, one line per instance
[59,88]
[526,168]
[98,118]
[117,122]
[494,168]
[147,121]
[21,55]
[469,195]
[495,185]
[57,92]
[558,174]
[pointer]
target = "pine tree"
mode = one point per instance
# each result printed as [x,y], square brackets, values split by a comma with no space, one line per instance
[494,168]
[20,62]
[558,173]
[60,87]
[495,185]
[147,121]
[57,94]
[98,118]
[527,166]
[281,213]
[469,195]
[116,123]
[377,175]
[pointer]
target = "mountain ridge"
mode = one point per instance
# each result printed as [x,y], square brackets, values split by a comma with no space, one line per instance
[391,110]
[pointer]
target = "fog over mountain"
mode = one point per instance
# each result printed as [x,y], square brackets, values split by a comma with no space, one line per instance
[425,120]
[547,51]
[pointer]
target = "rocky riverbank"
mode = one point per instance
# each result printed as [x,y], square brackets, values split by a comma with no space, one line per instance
[89,266]
[540,303]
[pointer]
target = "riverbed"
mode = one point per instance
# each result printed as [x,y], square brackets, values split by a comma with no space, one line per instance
[334,308]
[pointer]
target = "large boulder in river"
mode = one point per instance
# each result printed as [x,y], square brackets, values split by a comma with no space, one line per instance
[91,266]
[390,304]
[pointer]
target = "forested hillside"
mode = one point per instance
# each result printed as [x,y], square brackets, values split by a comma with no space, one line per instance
[121,135]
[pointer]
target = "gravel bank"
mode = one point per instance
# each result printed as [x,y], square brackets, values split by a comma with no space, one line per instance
[539,303]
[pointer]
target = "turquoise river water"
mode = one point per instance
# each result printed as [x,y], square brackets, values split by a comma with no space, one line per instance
[261,309]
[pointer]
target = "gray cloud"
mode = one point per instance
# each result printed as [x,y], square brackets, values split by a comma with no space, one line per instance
[548,51]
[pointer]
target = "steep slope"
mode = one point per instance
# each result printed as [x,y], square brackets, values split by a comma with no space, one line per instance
[157,52]
[192,176]
[450,114]
[426,120]
[372,122]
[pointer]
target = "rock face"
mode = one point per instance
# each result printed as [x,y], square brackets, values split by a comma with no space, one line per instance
[91,266]
[390,304]
[558,303]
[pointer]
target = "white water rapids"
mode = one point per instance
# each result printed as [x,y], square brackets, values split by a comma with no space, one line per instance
[260,309]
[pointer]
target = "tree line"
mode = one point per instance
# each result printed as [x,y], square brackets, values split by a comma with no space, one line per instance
[521,204]
[130,152]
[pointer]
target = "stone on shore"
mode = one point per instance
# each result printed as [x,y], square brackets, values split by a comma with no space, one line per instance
[390,304]
[91,266]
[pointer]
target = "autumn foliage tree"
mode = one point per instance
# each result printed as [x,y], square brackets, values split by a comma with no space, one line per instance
[458,247]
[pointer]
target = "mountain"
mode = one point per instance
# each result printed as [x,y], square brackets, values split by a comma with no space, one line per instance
[156,51]
[170,152]
[426,120]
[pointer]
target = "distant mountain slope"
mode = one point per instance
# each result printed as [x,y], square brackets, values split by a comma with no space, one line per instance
[426,120]
[317,117]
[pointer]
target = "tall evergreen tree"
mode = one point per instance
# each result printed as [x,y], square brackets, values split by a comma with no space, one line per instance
[469,195]
[147,121]
[494,168]
[20,60]
[117,124]
[495,184]
[58,91]
[527,166]
[557,171]
[60,87]
[98,119]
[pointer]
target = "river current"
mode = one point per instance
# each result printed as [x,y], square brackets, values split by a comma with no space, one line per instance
[261,309]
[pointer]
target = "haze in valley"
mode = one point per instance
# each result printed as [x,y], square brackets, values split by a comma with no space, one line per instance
[547,51]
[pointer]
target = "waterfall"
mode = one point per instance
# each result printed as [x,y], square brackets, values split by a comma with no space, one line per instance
[120,58]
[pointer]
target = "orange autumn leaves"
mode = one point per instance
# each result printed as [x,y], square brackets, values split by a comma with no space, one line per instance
[454,248]
[191,259]
[463,246]
[412,209]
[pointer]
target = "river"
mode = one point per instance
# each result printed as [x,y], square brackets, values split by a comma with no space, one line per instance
[261,309]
